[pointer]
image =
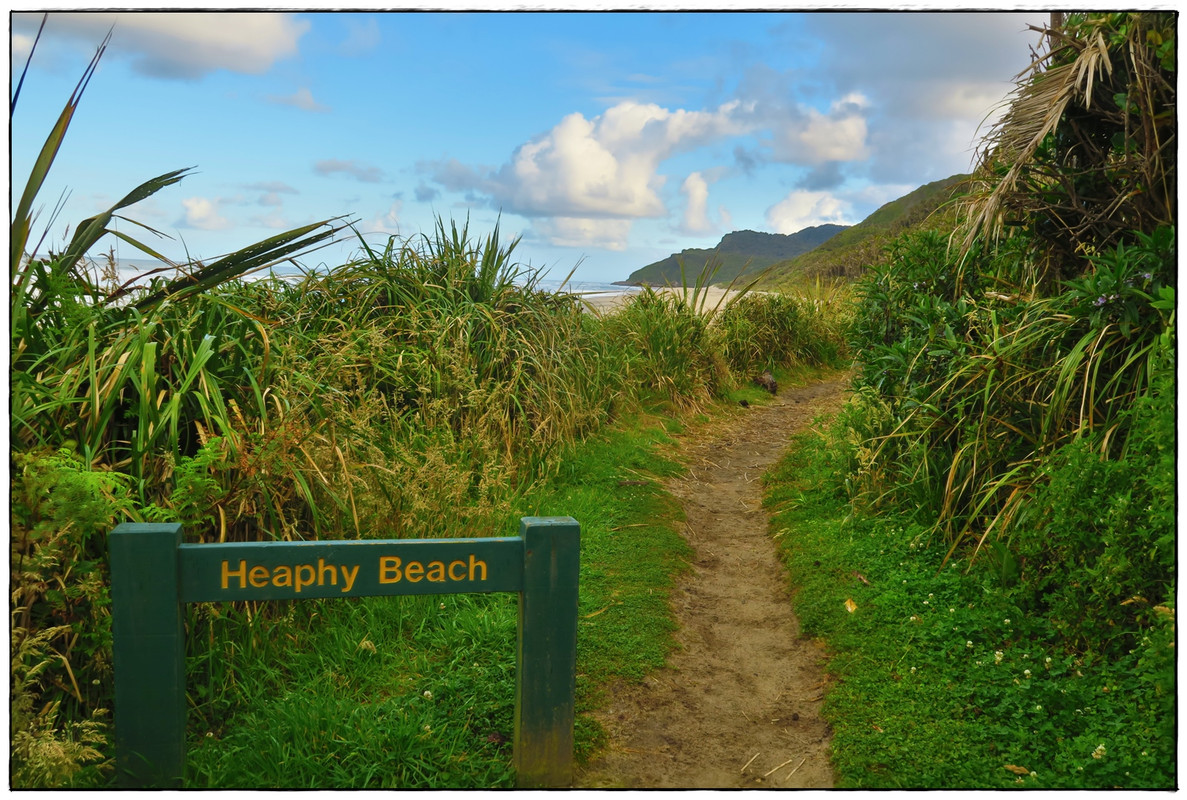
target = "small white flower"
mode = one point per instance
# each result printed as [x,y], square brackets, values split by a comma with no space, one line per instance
[912,670]
[1026,672]
[952,611]
[1038,708]
[998,655]
[428,695]
[1099,752]
[969,645]
[1007,621]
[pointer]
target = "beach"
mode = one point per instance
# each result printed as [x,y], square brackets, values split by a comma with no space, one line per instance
[608,302]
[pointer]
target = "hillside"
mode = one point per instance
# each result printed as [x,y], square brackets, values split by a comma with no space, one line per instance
[738,253]
[848,253]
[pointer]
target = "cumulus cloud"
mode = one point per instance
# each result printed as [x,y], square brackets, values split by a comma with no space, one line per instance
[302,99]
[202,213]
[839,135]
[362,172]
[386,222]
[586,173]
[801,210]
[600,168]
[929,80]
[179,45]
[696,215]
[603,234]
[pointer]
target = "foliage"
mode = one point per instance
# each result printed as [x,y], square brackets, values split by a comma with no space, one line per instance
[982,386]
[61,634]
[738,255]
[767,331]
[1007,455]
[942,677]
[418,692]
[851,252]
[672,348]
[1084,156]
[45,752]
[1102,551]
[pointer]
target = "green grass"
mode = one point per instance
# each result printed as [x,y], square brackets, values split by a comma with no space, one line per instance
[418,692]
[940,680]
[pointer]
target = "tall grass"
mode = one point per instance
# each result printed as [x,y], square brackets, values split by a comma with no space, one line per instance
[414,391]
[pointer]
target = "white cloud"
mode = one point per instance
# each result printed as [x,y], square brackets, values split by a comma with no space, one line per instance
[605,167]
[302,99]
[839,135]
[387,222]
[801,210]
[181,45]
[696,216]
[203,213]
[21,45]
[603,234]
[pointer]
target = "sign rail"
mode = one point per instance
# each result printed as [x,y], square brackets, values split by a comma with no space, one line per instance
[153,574]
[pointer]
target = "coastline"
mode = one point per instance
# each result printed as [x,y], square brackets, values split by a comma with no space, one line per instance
[609,302]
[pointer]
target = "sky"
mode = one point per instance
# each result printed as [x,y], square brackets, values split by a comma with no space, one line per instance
[606,141]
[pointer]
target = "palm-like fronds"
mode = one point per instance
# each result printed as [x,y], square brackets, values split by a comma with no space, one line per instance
[1084,154]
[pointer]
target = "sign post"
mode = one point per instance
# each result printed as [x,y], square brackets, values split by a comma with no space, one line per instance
[153,573]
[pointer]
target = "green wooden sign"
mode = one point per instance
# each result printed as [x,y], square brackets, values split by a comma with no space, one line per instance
[153,574]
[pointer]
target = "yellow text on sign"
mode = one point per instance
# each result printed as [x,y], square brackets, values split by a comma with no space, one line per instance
[298,576]
[392,569]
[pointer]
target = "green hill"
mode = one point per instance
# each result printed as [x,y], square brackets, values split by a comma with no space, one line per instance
[738,253]
[847,254]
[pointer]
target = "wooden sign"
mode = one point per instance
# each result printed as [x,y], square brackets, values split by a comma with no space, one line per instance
[153,573]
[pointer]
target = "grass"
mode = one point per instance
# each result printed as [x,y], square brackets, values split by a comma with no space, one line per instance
[939,678]
[418,692]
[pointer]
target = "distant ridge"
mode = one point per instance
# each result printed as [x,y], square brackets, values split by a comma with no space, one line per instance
[850,252]
[739,253]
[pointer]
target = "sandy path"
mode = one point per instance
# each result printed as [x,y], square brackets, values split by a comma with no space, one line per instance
[739,704]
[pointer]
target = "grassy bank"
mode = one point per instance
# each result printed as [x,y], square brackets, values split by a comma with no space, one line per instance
[986,538]
[418,692]
[424,389]
[943,677]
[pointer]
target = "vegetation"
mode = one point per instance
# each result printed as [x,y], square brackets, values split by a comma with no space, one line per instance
[985,538]
[1004,473]
[851,252]
[426,388]
[741,254]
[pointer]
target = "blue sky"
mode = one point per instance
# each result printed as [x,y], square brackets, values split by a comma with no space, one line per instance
[608,140]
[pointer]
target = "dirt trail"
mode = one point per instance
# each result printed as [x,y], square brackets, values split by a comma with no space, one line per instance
[739,704]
